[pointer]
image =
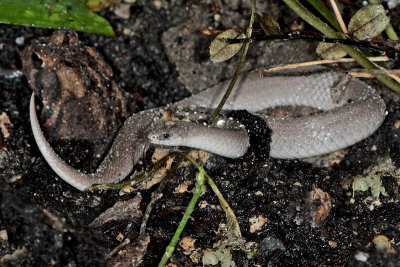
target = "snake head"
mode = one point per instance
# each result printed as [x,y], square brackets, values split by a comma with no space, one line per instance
[169,134]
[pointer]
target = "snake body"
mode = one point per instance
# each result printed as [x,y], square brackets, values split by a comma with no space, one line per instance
[352,112]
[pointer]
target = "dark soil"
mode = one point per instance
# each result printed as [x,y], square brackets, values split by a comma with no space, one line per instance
[157,54]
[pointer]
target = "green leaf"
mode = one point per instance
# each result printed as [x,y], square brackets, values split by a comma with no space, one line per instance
[368,22]
[54,14]
[330,51]
[326,13]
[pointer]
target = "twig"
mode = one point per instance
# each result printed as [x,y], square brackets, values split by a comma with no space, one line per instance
[118,248]
[135,180]
[362,73]
[318,62]
[339,16]
[154,197]
[387,72]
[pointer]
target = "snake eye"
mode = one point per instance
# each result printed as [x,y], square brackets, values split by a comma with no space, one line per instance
[166,136]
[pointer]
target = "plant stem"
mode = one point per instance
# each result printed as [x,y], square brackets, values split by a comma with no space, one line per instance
[391,33]
[238,68]
[329,32]
[230,215]
[232,222]
[325,12]
[171,247]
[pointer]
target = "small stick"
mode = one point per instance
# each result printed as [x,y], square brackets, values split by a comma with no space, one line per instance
[118,248]
[318,62]
[361,73]
[339,16]
[393,76]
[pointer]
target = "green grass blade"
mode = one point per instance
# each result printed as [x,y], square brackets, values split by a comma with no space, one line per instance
[73,14]
[326,13]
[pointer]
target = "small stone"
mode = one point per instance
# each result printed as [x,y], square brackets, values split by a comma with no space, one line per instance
[120,237]
[332,244]
[221,123]
[157,4]
[3,236]
[259,193]
[361,256]
[20,41]
[122,11]
[297,184]
[127,31]
[269,245]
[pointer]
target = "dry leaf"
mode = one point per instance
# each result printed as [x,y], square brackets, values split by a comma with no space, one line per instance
[268,23]
[330,51]
[221,50]
[368,22]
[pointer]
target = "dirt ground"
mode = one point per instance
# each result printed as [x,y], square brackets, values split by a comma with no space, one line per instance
[295,212]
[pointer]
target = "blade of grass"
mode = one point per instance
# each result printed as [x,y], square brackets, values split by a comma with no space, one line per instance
[171,247]
[325,12]
[231,219]
[232,222]
[391,33]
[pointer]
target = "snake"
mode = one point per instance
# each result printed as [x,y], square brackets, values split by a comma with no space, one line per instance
[351,111]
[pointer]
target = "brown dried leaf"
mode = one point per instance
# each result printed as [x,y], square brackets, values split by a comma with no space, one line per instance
[383,244]
[4,120]
[321,206]
[221,50]
[268,23]
[187,243]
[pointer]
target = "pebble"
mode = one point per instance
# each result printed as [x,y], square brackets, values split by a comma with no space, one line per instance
[122,11]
